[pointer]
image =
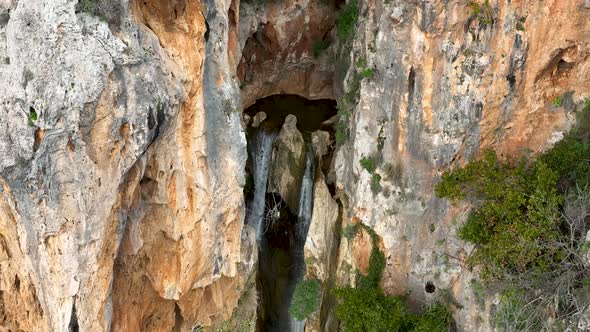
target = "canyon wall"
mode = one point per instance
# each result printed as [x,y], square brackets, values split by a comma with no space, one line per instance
[449,83]
[122,151]
[122,166]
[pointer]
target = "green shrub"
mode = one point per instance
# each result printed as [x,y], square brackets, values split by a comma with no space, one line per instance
[341,133]
[557,101]
[319,46]
[361,63]
[376,267]
[376,183]
[515,216]
[366,308]
[341,125]
[368,163]
[306,299]
[87,6]
[370,310]
[529,221]
[350,231]
[32,116]
[367,73]
[436,318]
[483,12]
[346,20]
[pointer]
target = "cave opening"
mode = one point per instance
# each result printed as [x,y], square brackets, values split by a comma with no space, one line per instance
[283,162]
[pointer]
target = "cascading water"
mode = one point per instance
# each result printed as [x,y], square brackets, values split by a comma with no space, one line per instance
[261,154]
[305,198]
[301,229]
[282,223]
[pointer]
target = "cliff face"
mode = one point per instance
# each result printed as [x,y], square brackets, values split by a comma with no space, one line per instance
[122,152]
[447,85]
[122,166]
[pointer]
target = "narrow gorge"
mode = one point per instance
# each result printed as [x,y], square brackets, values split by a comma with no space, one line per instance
[294,165]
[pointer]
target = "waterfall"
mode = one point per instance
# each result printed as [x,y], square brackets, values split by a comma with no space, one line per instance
[305,199]
[261,154]
[296,325]
[302,227]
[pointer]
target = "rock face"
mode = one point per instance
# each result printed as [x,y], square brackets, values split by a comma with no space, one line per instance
[122,201]
[122,152]
[288,163]
[447,85]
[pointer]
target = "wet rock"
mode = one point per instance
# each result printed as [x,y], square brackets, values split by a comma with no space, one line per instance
[288,163]
[258,118]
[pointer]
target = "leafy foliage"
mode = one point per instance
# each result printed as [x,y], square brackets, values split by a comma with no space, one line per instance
[306,299]
[366,308]
[482,12]
[347,18]
[350,231]
[32,116]
[376,183]
[87,6]
[557,101]
[367,73]
[371,310]
[376,265]
[530,221]
[318,47]
[436,318]
[368,163]
[515,216]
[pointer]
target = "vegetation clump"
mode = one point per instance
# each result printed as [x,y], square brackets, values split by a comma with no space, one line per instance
[306,299]
[347,19]
[376,183]
[529,223]
[318,47]
[87,6]
[368,163]
[32,117]
[367,308]
[483,12]
[557,101]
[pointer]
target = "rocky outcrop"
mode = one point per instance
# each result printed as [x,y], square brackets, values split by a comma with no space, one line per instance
[288,163]
[447,84]
[111,149]
[276,42]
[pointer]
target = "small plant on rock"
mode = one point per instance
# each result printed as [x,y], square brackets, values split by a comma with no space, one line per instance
[306,299]
[347,18]
[557,101]
[318,47]
[368,163]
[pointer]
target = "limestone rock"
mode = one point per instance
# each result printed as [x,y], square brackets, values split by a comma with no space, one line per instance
[258,118]
[319,247]
[112,193]
[451,87]
[288,163]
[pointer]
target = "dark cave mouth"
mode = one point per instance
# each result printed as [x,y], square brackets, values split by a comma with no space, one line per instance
[312,115]
[281,262]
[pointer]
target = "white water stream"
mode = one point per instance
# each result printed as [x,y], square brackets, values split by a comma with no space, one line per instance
[302,227]
[261,157]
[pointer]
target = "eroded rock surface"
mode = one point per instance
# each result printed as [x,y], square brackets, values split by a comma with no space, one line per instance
[122,152]
[446,86]
[112,148]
